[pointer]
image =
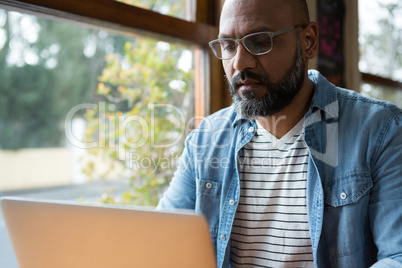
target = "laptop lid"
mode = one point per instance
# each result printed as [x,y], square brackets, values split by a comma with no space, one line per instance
[58,234]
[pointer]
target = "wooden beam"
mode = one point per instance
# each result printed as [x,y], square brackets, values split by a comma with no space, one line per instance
[202,11]
[381,81]
[117,15]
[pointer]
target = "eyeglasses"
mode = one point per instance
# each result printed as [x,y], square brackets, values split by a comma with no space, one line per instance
[256,43]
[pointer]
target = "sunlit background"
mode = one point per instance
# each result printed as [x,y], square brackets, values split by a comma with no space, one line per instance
[380,38]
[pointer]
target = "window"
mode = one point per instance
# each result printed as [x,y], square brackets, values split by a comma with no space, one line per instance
[380,40]
[93,91]
[83,105]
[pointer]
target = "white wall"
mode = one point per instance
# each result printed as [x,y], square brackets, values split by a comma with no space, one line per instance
[35,168]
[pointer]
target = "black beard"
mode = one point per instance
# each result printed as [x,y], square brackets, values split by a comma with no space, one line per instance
[278,95]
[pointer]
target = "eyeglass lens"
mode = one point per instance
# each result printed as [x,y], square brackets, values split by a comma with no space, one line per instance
[258,43]
[255,43]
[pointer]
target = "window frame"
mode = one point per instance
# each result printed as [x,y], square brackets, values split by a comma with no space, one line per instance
[380,81]
[366,77]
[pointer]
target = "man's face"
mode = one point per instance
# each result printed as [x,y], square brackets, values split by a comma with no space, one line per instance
[275,96]
[262,85]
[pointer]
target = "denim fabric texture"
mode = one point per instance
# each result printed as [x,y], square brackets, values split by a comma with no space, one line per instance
[354,180]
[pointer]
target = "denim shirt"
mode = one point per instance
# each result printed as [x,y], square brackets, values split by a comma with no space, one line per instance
[354,179]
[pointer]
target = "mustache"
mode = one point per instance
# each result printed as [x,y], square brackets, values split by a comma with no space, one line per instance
[247,74]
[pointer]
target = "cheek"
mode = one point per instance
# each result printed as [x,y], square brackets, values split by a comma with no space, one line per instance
[280,59]
[227,67]
[275,65]
[273,70]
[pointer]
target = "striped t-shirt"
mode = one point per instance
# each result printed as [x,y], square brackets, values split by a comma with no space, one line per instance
[271,225]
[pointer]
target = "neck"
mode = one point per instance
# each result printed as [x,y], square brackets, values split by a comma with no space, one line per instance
[281,123]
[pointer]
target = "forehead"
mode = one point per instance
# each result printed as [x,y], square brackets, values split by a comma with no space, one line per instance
[241,17]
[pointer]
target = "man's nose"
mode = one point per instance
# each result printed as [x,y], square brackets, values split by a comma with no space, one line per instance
[243,59]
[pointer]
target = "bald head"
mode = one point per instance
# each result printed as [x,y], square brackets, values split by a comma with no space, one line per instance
[298,9]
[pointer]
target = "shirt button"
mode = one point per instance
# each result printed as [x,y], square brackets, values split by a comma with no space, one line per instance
[232,202]
[208,185]
[223,238]
[344,196]
[250,130]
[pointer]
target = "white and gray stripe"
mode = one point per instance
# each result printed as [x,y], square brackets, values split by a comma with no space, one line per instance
[271,224]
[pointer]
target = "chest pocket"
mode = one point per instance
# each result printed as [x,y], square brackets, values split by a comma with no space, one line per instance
[346,223]
[348,190]
[208,188]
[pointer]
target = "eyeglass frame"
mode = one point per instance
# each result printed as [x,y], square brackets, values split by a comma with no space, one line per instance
[237,41]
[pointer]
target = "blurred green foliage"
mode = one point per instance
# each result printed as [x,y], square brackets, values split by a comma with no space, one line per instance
[142,124]
[36,95]
[142,88]
[143,138]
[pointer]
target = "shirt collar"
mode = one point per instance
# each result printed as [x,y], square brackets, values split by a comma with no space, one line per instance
[325,95]
[238,119]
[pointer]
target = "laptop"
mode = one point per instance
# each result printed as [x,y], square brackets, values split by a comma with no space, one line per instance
[47,234]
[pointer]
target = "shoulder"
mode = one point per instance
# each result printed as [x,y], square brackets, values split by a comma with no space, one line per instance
[355,105]
[372,121]
[350,104]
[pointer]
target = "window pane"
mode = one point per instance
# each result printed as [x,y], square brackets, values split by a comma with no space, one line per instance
[84,111]
[380,26]
[382,93]
[88,114]
[182,9]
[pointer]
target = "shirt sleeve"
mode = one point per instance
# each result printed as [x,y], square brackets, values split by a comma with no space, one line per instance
[181,193]
[385,209]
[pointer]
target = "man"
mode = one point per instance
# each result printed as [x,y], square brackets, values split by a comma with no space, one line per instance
[297,172]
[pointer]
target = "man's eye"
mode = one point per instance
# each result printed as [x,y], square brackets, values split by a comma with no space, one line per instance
[258,44]
[228,46]
[261,42]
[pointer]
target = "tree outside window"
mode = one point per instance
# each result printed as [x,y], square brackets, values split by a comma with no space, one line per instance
[131,96]
[380,41]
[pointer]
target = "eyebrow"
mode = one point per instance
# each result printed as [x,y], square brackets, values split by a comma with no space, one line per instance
[254,30]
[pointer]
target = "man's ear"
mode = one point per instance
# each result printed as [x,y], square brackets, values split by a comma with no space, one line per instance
[309,40]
